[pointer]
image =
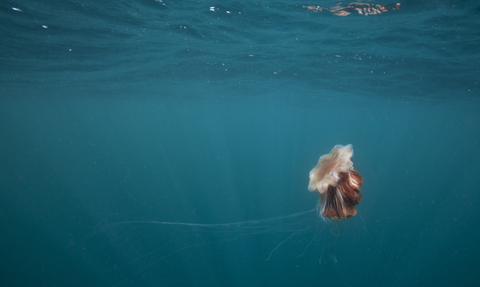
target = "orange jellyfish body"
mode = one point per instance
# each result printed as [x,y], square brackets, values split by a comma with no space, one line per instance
[337,183]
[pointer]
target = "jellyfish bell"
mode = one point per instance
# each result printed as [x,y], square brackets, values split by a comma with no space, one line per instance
[337,183]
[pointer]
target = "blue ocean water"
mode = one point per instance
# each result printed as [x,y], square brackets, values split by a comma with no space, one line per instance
[168,143]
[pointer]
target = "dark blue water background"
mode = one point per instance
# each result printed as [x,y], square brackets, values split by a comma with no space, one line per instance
[168,143]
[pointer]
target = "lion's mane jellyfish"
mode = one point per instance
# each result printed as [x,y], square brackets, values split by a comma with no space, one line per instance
[337,183]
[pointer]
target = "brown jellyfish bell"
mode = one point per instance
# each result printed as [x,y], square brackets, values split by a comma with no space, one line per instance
[337,183]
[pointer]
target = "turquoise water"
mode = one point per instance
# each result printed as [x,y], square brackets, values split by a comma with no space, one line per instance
[168,143]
